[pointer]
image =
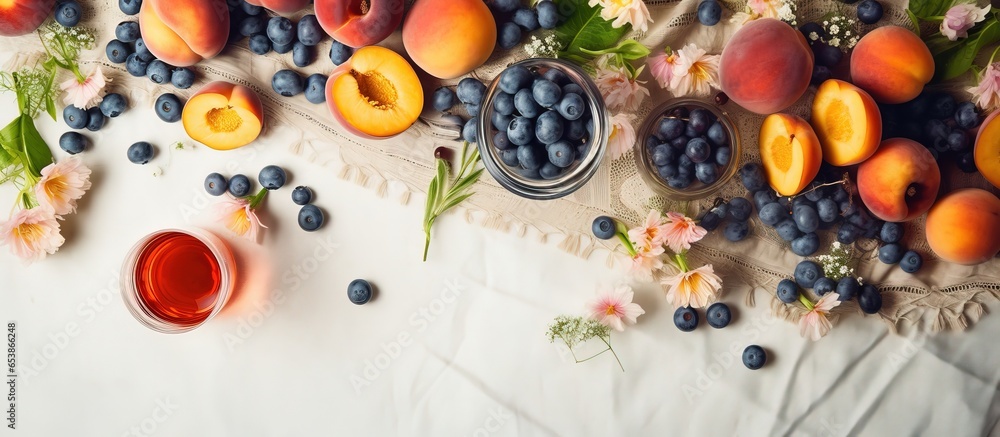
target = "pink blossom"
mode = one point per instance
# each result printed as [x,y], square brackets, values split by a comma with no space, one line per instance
[681,231]
[646,261]
[695,72]
[622,136]
[960,18]
[32,234]
[240,218]
[695,288]
[615,309]
[661,66]
[620,92]
[62,184]
[86,94]
[814,324]
[652,233]
[764,8]
[987,93]
[633,12]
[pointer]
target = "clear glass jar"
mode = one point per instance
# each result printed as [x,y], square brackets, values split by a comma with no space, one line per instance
[697,190]
[580,172]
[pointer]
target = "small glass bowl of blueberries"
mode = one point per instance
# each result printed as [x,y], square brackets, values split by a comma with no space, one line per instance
[687,149]
[543,128]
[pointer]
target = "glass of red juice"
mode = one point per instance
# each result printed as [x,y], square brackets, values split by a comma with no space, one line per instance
[175,280]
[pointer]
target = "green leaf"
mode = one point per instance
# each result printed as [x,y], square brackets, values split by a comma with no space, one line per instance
[442,177]
[10,137]
[953,63]
[453,202]
[465,183]
[914,21]
[928,8]
[431,202]
[36,151]
[584,29]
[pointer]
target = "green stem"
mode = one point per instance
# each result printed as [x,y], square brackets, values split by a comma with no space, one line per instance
[608,342]
[257,198]
[628,244]
[993,56]
[682,262]
[805,301]
[76,72]
[427,242]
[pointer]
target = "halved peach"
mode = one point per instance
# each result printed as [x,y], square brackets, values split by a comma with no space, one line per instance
[223,116]
[375,94]
[987,151]
[183,32]
[847,122]
[790,153]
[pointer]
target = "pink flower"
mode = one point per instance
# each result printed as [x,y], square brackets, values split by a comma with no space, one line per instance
[661,66]
[633,12]
[695,72]
[680,232]
[960,18]
[615,308]
[86,94]
[987,93]
[646,261]
[32,234]
[764,8]
[653,233]
[695,288]
[240,218]
[622,136]
[814,324]
[62,184]
[620,92]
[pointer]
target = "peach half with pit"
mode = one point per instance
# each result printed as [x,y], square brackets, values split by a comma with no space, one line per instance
[375,94]
[223,116]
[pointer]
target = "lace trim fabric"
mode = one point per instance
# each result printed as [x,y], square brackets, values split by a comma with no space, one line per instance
[941,296]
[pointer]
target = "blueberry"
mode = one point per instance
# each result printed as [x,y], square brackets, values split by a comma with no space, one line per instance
[74,117]
[471,109]
[754,357]
[717,134]
[521,131]
[514,79]
[870,300]
[663,155]
[530,157]
[736,231]
[252,25]
[740,209]
[302,195]
[679,182]
[505,6]
[710,222]
[127,31]
[500,121]
[311,218]
[827,210]
[509,157]
[471,91]
[966,162]
[805,245]
[810,28]
[548,14]
[826,55]
[824,285]
[763,197]
[525,18]
[158,71]
[113,105]
[168,107]
[752,177]
[549,171]
[572,106]
[561,154]
[142,51]
[117,51]
[690,132]
[721,210]
[250,9]
[140,153]
[135,65]
[718,315]
[469,132]
[283,48]
[807,273]
[216,184]
[700,120]
[260,44]
[709,12]
[685,319]
[95,119]
[182,78]
[911,262]
[943,106]
[280,30]
[604,227]
[68,13]
[315,88]
[820,74]
[847,208]
[72,142]
[556,76]
[525,103]
[869,11]
[966,116]
[309,31]
[129,7]
[670,128]
[772,214]
[848,233]
[806,218]
[239,185]
[684,165]
[500,141]
[706,173]
[958,140]
[359,291]
[503,103]
[287,83]
[549,127]
[570,87]
[302,55]
[666,172]
[788,291]
[847,288]
[443,99]
[891,232]
[508,35]
[271,177]
[546,92]
[340,53]
[698,150]
[891,253]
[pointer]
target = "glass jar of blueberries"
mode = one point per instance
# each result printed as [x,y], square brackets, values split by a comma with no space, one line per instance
[687,149]
[543,128]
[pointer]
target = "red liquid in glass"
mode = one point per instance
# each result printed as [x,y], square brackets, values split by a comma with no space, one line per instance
[178,278]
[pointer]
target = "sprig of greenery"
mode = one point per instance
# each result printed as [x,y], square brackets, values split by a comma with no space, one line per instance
[953,58]
[64,44]
[584,32]
[23,152]
[442,196]
[574,331]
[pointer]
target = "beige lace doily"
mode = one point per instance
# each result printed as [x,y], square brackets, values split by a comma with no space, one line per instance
[942,296]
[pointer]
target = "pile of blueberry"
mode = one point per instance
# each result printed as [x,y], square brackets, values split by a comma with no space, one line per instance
[542,121]
[717,315]
[93,119]
[735,214]
[892,251]
[939,122]
[271,178]
[128,48]
[513,20]
[810,275]
[688,145]
[289,83]
[709,12]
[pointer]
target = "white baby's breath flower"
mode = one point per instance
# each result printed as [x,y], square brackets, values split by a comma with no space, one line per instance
[834,29]
[834,42]
[813,36]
